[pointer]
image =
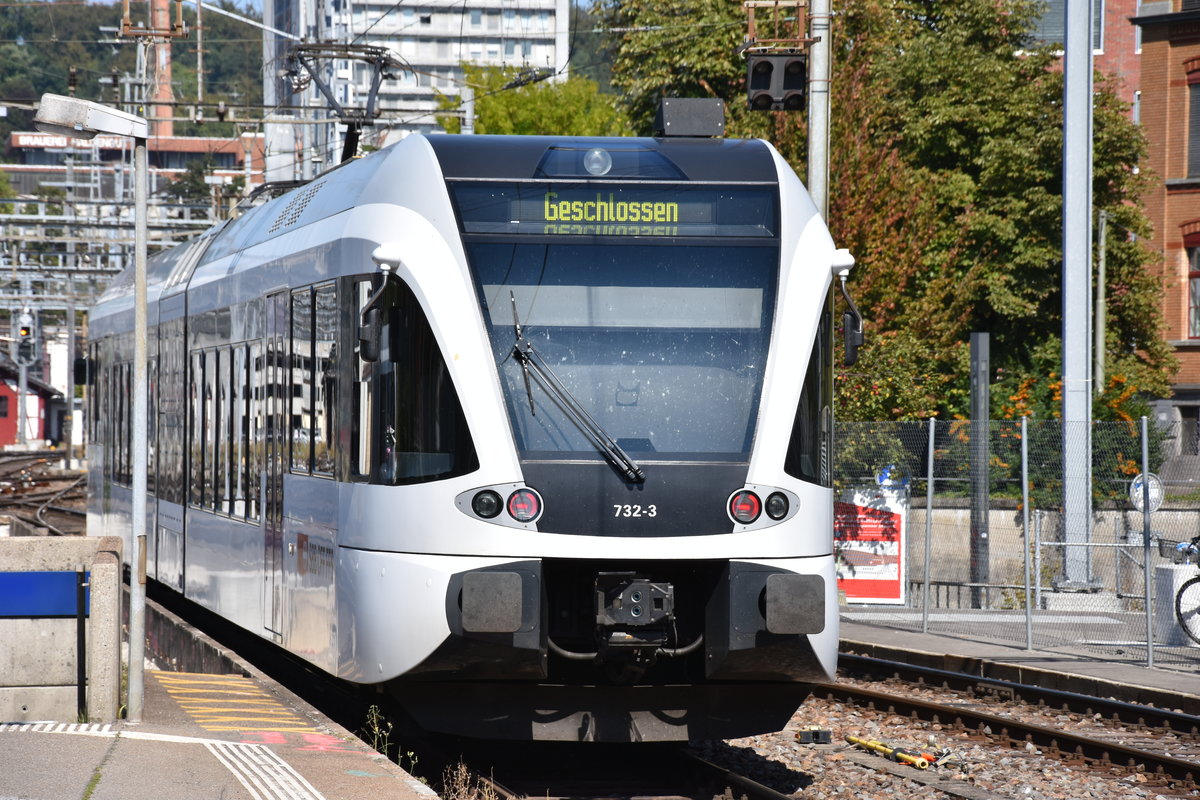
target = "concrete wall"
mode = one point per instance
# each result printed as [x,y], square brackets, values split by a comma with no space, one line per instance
[950,545]
[38,663]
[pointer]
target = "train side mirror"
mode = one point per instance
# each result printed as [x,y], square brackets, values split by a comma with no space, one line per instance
[369,334]
[852,321]
[853,337]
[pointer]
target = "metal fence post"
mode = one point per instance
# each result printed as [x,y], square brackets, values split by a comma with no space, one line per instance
[1148,584]
[1025,529]
[1037,558]
[928,530]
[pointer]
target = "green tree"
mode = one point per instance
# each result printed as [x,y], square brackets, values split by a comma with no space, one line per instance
[41,42]
[946,157]
[6,192]
[190,185]
[574,107]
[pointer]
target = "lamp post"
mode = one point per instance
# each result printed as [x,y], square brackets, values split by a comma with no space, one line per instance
[83,119]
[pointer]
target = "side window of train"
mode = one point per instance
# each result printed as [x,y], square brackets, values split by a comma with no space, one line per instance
[409,421]
[325,379]
[300,381]
[314,367]
[810,451]
[196,409]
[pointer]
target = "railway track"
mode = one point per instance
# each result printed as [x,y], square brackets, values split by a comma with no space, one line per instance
[34,490]
[1078,730]
[588,772]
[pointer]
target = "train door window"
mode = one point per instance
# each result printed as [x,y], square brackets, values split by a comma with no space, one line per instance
[172,430]
[223,448]
[118,432]
[212,426]
[113,440]
[255,426]
[810,450]
[300,381]
[196,439]
[324,386]
[361,457]
[414,420]
[126,389]
[237,430]
[151,423]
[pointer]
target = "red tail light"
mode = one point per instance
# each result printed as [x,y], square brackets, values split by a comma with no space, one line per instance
[524,505]
[745,507]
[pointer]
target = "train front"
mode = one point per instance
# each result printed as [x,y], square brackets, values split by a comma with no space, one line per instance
[659,318]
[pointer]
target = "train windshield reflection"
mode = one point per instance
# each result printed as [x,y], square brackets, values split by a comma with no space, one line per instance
[664,345]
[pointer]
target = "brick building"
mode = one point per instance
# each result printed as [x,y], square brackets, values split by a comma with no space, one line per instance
[1170,116]
[1115,41]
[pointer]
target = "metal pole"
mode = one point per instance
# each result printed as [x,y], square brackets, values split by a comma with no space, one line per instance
[1037,558]
[980,470]
[1099,315]
[1025,529]
[69,418]
[468,105]
[22,389]
[137,570]
[1077,275]
[928,530]
[819,54]
[1148,586]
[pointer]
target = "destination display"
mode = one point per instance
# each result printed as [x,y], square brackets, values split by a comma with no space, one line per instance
[606,210]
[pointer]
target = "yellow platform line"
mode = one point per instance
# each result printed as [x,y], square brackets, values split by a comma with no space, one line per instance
[230,704]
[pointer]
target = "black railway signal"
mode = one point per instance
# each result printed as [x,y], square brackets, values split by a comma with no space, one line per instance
[25,343]
[776,81]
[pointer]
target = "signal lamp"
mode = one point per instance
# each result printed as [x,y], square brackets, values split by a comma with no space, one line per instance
[486,504]
[524,505]
[777,506]
[776,81]
[745,507]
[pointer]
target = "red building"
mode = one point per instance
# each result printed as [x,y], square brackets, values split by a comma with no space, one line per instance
[44,408]
[1170,89]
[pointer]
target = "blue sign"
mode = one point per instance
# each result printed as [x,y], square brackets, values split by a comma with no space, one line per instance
[40,594]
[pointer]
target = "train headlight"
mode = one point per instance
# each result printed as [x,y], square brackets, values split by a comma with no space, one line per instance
[745,507]
[524,505]
[486,504]
[597,162]
[777,506]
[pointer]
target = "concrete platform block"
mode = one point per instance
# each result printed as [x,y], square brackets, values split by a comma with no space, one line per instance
[39,663]
[36,703]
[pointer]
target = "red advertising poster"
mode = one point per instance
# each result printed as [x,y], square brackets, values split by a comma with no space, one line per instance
[869,540]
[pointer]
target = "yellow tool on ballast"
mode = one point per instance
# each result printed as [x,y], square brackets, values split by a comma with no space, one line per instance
[887,751]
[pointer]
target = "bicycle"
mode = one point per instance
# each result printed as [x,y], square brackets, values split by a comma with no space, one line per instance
[1187,599]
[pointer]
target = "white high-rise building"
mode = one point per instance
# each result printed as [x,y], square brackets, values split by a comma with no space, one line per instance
[433,37]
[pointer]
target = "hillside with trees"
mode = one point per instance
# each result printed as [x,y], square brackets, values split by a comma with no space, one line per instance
[41,42]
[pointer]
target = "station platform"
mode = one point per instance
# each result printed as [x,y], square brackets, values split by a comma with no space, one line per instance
[1130,681]
[201,737]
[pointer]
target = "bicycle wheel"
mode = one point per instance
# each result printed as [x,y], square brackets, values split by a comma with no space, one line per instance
[1187,608]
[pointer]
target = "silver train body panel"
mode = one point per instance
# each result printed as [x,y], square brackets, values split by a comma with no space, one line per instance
[383,583]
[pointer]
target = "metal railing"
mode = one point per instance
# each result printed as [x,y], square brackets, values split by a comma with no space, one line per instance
[982,545]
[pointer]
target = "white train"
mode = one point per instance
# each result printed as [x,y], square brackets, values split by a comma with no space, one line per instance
[534,433]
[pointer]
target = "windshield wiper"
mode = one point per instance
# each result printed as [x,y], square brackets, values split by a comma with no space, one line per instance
[532,363]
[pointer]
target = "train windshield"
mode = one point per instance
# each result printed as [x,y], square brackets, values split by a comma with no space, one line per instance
[660,338]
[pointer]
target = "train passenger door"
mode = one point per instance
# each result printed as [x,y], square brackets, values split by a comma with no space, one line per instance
[275,400]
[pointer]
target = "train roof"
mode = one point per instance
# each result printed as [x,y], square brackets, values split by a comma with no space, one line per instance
[372,179]
[546,157]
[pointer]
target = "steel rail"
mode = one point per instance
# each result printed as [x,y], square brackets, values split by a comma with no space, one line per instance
[1147,716]
[1058,742]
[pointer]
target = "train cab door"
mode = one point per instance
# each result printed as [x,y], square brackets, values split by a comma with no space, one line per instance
[276,440]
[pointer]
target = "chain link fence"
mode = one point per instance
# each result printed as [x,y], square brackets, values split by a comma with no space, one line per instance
[940,529]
